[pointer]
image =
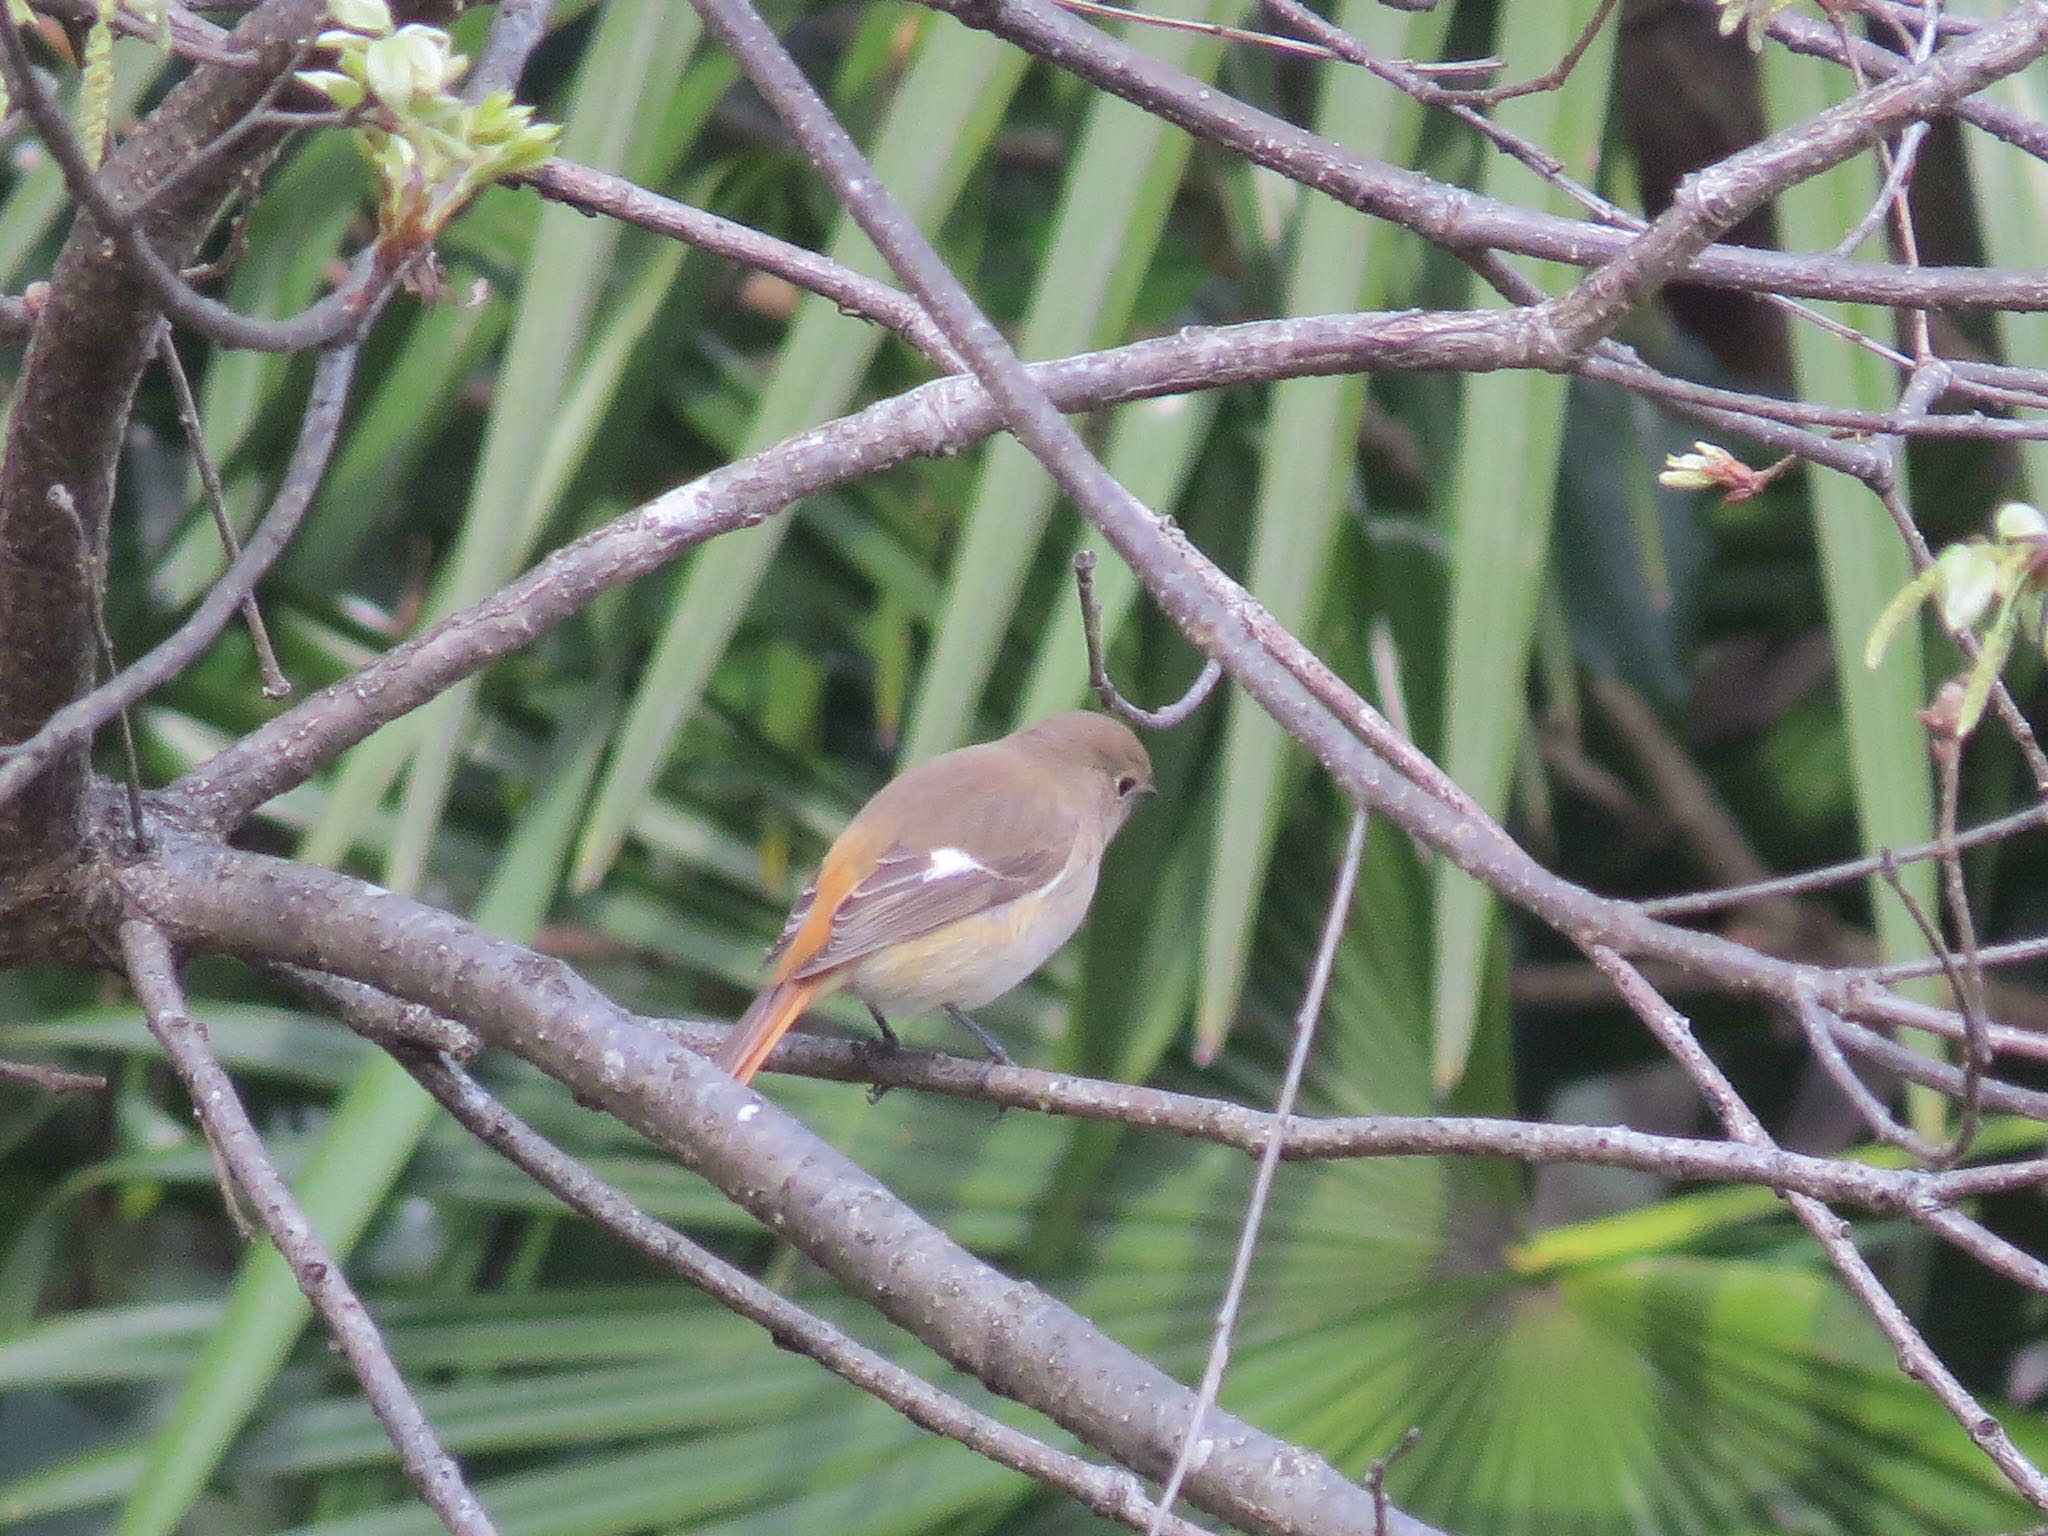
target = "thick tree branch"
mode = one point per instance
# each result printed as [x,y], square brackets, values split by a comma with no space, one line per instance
[943,416]
[73,726]
[1112,1493]
[92,340]
[937,419]
[1017,1340]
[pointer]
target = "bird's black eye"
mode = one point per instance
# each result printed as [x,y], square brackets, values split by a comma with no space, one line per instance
[1125,783]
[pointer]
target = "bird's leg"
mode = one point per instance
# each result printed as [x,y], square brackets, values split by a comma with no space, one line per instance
[889,1042]
[989,1043]
[887,1045]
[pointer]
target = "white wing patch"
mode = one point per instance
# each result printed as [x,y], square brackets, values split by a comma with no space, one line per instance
[944,863]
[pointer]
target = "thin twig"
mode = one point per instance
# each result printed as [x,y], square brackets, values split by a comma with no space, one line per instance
[1947,750]
[76,722]
[2012,952]
[1376,1475]
[1268,40]
[1305,1020]
[1928,382]
[594,191]
[192,38]
[1314,1139]
[1412,83]
[275,684]
[1453,218]
[396,1026]
[1976,1029]
[400,1027]
[1385,658]
[411,1032]
[1898,170]
[1819,1028]
[1106,690]
[202,159]
[1845,872]
[50,1079]
[341,314]
[1995,1179]
[1551,79]
[236,246]
[1916,1357]
[1893,190]
[94,564]
[1918,1067]
[152,971]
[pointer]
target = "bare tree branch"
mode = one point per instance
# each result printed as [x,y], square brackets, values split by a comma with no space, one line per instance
[337,317]
[93,336]
[75,723]
[1451,217]
[1305,1020]
[1713,200]
[1317,1139]
[431,1470]
[452,987]
[275,684]
[1106,690]
[1112,1493]
[50,1079]
[1916,1358]
[596,192]
[1816,39]
[221,792]
[1016,1339]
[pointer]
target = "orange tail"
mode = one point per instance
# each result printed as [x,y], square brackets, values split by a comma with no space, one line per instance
[766,1022]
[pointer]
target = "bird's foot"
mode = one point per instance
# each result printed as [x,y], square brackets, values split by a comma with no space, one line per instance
[889,1040]
[879,1050]
[997,1056]
[989,1043]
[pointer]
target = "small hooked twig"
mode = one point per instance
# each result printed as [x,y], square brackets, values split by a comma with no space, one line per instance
[1164,719]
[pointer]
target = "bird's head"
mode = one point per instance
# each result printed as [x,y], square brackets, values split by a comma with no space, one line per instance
[1104,752]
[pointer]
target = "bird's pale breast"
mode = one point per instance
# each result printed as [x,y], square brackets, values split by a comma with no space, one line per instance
[978,959]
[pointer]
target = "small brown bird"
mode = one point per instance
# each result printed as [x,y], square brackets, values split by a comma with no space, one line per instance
[959,879]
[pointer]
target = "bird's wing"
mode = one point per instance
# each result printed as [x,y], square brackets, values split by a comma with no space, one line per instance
[1017,847]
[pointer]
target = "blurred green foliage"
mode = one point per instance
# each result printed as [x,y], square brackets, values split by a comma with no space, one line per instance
[1585,1352]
